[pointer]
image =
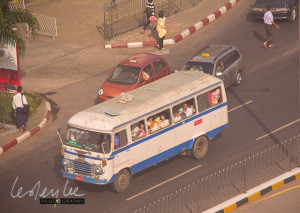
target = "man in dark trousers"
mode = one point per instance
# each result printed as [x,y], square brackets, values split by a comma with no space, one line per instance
[269,22]
[150,11]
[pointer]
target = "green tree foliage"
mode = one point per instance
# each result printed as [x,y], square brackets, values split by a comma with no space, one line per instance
[8,25]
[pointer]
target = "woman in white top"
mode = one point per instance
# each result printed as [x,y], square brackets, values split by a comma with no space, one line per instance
[163,122]
[18,104]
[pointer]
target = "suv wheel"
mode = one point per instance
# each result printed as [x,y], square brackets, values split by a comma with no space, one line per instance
[238,78]
[293,14]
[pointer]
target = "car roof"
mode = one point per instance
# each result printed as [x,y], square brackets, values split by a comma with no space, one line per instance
[139,60]
[147,99]
[210,53]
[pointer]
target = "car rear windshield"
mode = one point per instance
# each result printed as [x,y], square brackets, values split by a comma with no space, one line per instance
[124,75]
[206,67]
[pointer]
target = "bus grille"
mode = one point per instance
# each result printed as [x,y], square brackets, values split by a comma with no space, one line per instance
[82,168]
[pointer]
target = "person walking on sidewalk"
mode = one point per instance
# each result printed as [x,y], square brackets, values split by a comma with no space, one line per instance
[161,30]
[150,11]
[269,22]
[19,100]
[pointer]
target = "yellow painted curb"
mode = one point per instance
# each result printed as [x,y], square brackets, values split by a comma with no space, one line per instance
[277,185]
[254,196]
[230,208]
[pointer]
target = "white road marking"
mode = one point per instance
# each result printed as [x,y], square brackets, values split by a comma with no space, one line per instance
[240,106]
[173,178]
[289,124]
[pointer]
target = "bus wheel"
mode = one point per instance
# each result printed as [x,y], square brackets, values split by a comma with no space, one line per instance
[122,181]
[200,147]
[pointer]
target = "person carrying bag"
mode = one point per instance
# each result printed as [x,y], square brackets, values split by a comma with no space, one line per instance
[21,108]
[150,13]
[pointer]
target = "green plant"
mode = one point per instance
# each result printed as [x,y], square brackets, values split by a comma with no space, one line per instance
[7,113]
[8,25]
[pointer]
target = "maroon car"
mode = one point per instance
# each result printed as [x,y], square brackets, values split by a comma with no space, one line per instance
[133,72]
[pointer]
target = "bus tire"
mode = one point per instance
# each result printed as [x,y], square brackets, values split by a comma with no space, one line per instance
[122,181]
[200,148]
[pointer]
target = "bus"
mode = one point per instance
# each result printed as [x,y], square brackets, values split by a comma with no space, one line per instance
[110,142]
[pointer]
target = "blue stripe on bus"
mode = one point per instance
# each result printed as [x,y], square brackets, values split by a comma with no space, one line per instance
[169,129]
[85,179]
[93,158]
[167,154]
[167,105]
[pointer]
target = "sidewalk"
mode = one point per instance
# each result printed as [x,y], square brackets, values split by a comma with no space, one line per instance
[175,25]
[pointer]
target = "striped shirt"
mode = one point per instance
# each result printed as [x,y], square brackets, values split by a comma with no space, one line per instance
[151,6]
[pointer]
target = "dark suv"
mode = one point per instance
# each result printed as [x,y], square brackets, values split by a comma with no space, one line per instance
[222,61]
[281,9]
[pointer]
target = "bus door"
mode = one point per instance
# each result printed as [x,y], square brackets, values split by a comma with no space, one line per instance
[123,158]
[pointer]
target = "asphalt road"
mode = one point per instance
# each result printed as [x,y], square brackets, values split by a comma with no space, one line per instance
[271,81]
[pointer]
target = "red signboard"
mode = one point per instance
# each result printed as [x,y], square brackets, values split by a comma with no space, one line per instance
[9,65]
[197,122]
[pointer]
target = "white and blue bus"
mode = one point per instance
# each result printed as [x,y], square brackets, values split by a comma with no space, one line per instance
[111,141]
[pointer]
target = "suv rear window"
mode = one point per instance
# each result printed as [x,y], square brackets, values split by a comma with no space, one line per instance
[206,67]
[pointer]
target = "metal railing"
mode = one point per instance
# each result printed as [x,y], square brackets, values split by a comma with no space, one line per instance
[47,25]
[16,5]
[231,181]
[128,15]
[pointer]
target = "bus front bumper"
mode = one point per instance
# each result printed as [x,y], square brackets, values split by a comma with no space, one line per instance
[84,178]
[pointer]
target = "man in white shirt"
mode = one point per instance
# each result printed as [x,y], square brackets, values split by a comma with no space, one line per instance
[19,100]
[269,22]
[187,111]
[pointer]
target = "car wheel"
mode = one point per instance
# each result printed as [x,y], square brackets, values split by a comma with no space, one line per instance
[293,14]
[122,181]
[200,148]
[238,78]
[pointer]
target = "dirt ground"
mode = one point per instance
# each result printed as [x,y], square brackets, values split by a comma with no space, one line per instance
[76,19]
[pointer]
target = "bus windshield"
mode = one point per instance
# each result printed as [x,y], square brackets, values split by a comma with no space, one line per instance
[206,67]
[87,140]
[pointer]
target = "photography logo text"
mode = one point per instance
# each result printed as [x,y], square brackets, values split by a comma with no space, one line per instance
[61,200]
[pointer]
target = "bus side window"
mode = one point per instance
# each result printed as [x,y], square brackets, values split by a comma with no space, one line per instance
[208,99]
[120,139]
[159,121]
[184,110]
[214,96]
[138,130]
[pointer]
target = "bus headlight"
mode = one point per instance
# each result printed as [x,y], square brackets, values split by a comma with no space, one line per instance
[98,170]
[66,162]
[101,91]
